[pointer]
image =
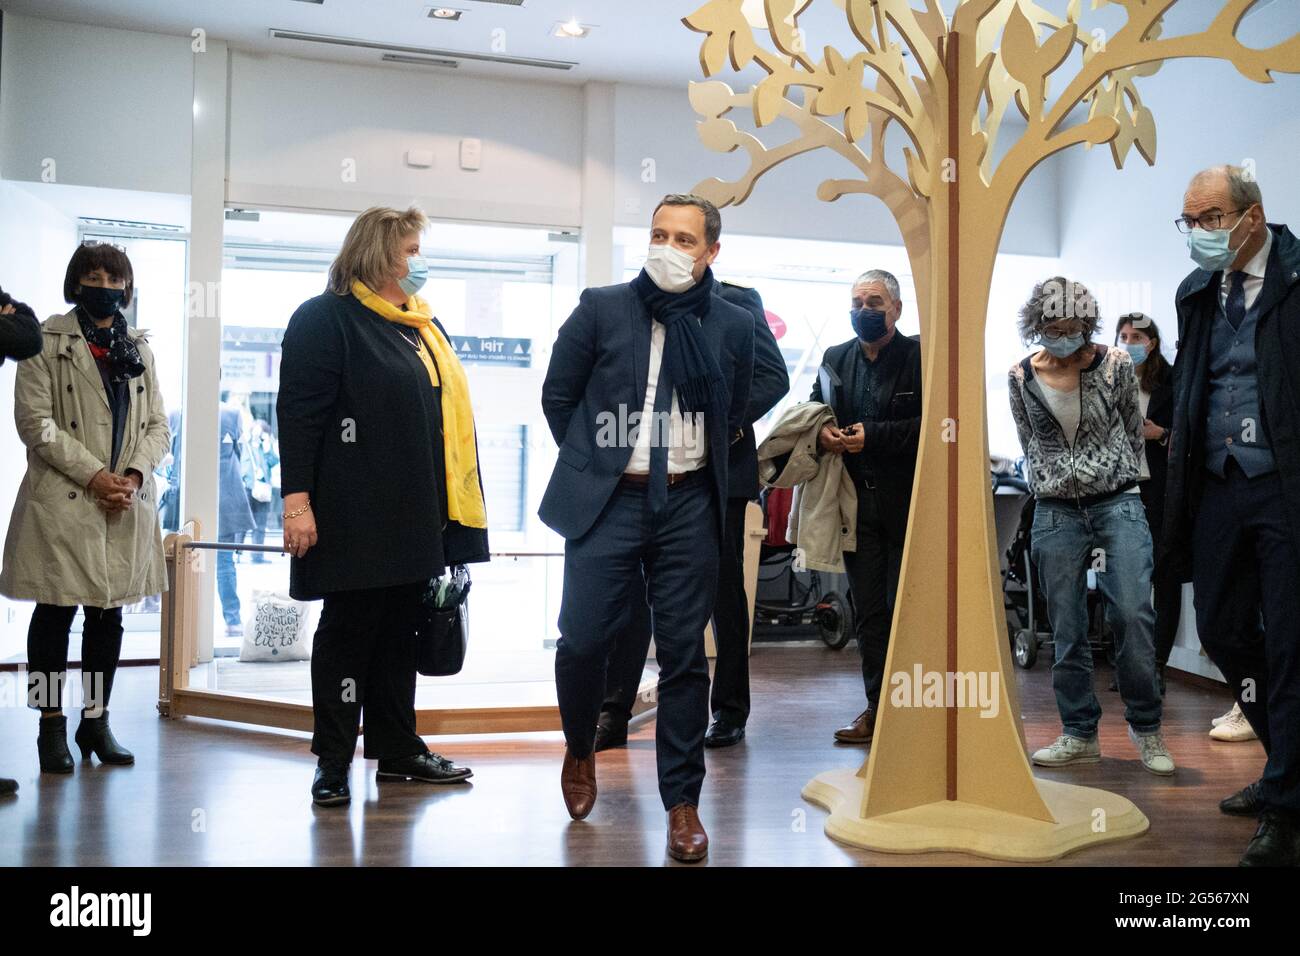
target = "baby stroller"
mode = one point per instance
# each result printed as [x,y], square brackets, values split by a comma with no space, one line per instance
[796,598]
[1028,626]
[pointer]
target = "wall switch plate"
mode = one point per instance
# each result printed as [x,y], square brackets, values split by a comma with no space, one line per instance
[419,158]
[471,154]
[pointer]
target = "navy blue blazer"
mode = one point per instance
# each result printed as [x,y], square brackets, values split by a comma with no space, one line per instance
[599,363]
[770,385]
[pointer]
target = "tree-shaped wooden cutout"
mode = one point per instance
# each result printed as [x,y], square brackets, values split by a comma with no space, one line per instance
[949,776]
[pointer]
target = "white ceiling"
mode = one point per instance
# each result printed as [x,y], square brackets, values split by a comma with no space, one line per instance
[641,41]
[637,41]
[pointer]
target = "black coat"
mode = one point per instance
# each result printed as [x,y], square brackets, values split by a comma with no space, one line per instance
[1161,411]
[360,432]
[770,385]
[598,366]
[1277,352]
[20,332]
[889,448]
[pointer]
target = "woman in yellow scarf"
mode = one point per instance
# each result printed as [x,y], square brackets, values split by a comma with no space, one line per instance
[380,475]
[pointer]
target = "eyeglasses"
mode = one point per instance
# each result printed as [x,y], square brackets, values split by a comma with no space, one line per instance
[1057,334]
[1211,220]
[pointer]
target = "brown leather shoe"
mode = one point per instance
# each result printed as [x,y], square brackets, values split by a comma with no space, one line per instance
[687,841]
[860,731]
[578,784]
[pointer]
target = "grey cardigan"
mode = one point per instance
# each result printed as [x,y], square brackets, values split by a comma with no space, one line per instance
[1108,446]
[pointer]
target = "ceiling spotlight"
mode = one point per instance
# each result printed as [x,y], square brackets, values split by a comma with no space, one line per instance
[445,13]
[571,30]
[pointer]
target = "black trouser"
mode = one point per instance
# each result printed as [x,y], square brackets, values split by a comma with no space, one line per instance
[47,655]
[729,699]
[873,579]
[1244,560]
[363,660]
[677,552]
[1168,590]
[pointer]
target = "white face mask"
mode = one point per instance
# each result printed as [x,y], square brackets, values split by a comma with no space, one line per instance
[670,269]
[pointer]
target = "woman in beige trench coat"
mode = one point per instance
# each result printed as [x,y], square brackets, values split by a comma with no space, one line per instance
[84,529]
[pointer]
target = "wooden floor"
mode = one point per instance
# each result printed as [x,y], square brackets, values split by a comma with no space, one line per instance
[204,792]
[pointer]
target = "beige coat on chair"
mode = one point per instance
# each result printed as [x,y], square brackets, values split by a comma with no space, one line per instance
[824,513]
[62,549]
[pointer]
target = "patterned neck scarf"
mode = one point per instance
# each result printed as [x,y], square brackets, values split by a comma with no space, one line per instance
[114,345]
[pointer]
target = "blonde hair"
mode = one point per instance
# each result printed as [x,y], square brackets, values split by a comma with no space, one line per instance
[370,249]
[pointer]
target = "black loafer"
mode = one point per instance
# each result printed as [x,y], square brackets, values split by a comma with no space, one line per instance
[724,734]
[1243,803]
[1276,842]
[8,786]
[330,788]
[611,731]
[426,768]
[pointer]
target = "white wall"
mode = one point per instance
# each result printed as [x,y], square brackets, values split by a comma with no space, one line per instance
[109,107]
[295,123]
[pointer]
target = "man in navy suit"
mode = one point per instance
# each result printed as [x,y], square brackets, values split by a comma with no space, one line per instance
[729,699]
[647,388]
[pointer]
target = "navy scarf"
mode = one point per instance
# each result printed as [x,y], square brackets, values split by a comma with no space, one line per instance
[688,365]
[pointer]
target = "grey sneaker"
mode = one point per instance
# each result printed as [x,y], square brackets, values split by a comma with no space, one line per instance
[1155,755]
[1066,749]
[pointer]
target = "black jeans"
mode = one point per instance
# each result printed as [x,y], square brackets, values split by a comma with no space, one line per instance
[677,552]
[729,699]
[873,580]
[1168,590]
[47,656]
[363,661]
[1244,560]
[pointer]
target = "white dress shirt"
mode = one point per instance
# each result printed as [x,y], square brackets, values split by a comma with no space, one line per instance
[688,447]
[1254,270]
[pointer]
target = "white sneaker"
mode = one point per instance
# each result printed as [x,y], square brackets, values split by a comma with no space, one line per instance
[1154,753]
[1066,749]
[1235,729]
[1223,718]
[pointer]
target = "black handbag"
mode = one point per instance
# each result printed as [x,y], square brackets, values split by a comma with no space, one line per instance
[442,635]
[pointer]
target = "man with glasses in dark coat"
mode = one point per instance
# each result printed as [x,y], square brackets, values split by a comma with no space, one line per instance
[1233,497]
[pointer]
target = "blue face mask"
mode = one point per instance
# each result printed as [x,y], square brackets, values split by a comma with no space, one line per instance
[417,271]
[1137,352]
[869,324]
[1064,347]
[1211,249]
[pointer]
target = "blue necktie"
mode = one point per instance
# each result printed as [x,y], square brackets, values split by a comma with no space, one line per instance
[660,434]
[1235,308]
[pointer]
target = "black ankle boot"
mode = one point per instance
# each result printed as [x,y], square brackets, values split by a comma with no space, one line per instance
[52,745]
[95,736]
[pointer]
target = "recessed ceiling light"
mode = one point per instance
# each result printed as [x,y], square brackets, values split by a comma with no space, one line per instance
[571,30]
[445,13]
[317,2]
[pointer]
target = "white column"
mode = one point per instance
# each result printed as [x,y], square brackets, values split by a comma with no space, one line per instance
[199,493]
[597,249]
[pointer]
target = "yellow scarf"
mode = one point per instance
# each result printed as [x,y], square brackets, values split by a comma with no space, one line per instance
[464,494]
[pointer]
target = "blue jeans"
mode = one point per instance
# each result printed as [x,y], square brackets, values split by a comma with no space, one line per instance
[1112,537]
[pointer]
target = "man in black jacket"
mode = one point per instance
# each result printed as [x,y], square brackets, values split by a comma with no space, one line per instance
[20,338]
[1233,495]
[875,379]
[729,700]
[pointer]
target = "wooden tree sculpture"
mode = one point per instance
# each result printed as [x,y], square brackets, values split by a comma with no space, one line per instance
[946,777]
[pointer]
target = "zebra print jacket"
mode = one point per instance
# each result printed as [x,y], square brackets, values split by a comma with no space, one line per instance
[1108,445]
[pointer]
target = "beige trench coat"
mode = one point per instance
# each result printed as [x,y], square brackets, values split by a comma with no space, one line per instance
[62,549]
[823,521]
